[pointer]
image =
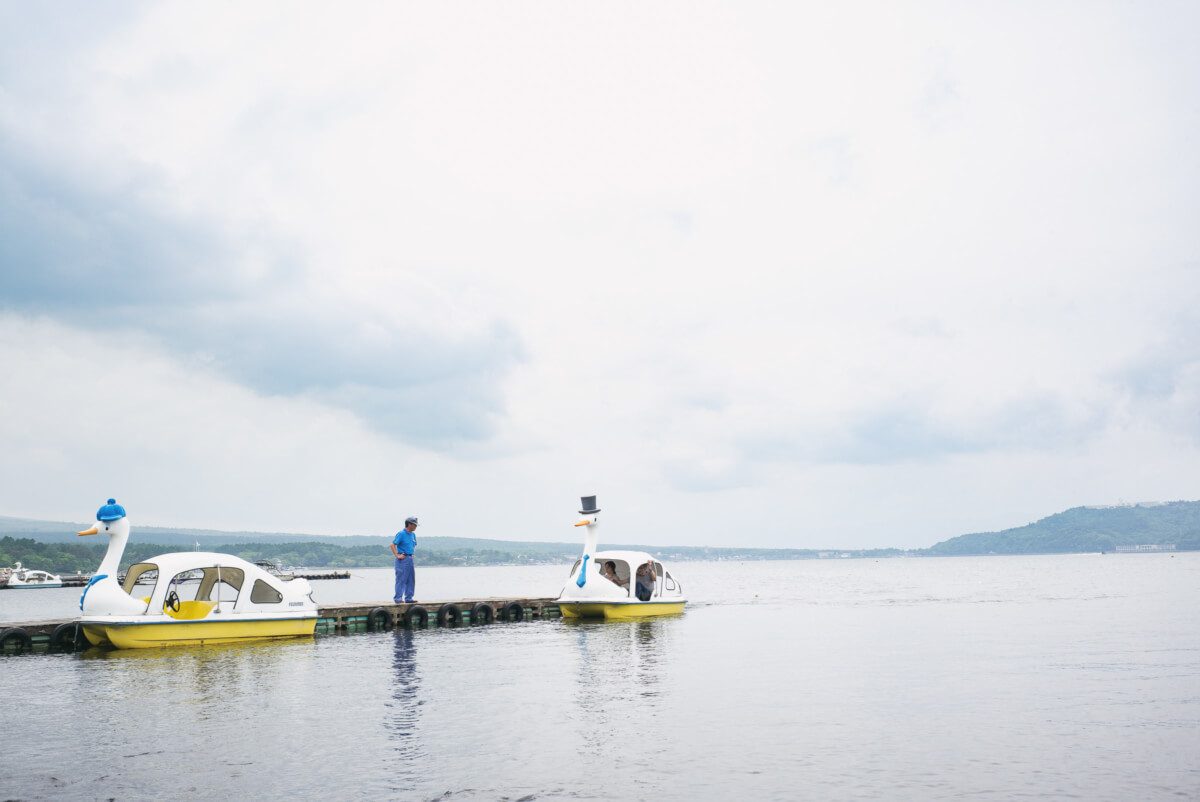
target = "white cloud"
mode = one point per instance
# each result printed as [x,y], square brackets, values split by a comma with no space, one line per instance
[856,275]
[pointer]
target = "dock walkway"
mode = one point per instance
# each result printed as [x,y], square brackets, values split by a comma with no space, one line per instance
[65,635]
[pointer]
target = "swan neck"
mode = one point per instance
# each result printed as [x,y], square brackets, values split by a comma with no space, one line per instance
[591,538]
[116,548]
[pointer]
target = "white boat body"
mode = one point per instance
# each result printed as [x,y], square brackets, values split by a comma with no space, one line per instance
[163,603]
[232,600]
[599,597]
[589,594]
[21,577]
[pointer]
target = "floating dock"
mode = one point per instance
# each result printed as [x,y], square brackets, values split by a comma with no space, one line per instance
[65,635]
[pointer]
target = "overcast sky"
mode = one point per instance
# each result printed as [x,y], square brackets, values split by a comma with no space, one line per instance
[756,274]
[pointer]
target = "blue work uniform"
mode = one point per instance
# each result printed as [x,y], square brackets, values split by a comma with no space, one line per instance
[406,576]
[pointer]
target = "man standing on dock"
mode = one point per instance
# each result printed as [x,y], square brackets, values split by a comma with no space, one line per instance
[403,546]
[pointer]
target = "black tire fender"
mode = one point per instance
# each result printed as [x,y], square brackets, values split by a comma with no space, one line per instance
[449,615]
[18,634]
[482,613]
[514,611]
[379,618]
[413,614]
[66,636]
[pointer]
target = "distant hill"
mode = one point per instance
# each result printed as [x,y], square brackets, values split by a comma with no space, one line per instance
[1088,529]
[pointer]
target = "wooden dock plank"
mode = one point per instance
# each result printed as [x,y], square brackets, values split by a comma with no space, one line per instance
[348,617]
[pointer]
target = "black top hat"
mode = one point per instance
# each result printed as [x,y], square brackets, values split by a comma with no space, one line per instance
[589,505]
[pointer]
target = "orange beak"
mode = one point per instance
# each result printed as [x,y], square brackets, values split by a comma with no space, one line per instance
[94,530]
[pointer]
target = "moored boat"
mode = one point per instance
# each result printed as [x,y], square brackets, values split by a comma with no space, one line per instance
[616,584]
[187,598]
[22,577]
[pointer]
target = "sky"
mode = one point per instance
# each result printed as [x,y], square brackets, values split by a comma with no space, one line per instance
[775,275]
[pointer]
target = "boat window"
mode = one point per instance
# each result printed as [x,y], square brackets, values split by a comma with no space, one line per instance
[620,572]
[143,575]
[669,581]
[262,593]
[184,585]
[575,567]
[654,586]
[231,584]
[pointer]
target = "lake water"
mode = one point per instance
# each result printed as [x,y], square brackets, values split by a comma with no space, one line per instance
[949,678]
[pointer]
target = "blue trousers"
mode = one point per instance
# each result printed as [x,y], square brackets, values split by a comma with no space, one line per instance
[406,580]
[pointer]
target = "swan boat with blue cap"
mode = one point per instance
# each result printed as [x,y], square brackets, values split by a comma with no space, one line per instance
[187,598]
[616,584]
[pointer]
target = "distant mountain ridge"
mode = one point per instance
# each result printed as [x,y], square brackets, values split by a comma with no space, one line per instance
[1089,529]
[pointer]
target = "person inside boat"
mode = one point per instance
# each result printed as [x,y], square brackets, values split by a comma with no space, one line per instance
[645,581]
[610,573]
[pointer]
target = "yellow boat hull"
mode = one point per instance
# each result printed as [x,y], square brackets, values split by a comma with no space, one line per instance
[195,633]
[618,610]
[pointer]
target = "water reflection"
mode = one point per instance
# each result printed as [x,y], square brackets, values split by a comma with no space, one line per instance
[621,670]
[652,652]
[204,713]
[404,709]
[210,679]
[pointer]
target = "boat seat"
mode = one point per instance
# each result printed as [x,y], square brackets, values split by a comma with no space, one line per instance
[191,610]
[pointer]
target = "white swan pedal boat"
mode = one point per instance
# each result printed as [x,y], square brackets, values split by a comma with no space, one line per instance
[593,592]
[22,577]
[187,598]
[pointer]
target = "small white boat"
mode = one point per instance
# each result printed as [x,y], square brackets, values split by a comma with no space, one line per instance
[616,584]
[276,569]
[187,597]
[21,577]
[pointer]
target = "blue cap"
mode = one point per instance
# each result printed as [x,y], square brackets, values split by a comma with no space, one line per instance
[112,511]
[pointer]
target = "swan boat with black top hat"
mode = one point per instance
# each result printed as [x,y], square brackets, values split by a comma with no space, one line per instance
[597,590]
[188,597]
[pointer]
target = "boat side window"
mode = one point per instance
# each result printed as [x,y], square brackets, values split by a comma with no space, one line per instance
[668,580]
[620,572]
[142,574]
[643,576]
[262,593]
[575,567]
[230,584]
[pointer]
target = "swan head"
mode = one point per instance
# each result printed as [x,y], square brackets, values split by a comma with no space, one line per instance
[110,520]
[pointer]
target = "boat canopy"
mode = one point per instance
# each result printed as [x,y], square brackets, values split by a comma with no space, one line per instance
[625,565]
[218,579]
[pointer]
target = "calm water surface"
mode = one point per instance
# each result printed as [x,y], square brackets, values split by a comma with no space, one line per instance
[954,678]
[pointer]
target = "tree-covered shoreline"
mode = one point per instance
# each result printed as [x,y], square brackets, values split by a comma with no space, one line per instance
[52,546]
[66,558]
